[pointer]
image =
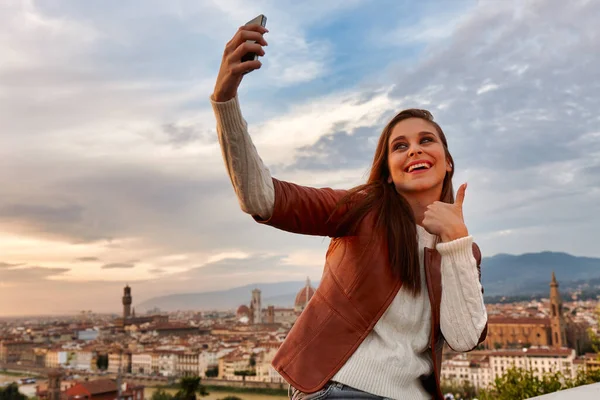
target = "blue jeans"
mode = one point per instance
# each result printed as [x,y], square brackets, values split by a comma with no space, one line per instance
[333,390]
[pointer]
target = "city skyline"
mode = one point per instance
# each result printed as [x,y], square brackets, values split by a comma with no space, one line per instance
[112,174]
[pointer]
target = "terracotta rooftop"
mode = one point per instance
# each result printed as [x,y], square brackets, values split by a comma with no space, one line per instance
[518,321]
[99,386]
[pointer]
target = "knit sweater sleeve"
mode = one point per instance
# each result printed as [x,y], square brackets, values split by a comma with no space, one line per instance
[463,315]
[251,179]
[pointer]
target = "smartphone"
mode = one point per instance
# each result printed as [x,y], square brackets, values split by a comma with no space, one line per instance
[262,21]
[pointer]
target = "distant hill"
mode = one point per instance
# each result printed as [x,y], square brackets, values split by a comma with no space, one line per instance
[281,294]
[505,274]
[502,275]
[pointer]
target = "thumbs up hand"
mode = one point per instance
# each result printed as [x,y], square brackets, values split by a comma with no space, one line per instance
[446,220]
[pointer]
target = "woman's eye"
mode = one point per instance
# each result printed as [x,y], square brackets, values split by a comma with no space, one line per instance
[426,140]
[398,146]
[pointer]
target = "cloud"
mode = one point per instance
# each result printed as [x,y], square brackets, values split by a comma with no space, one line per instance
[235,271]
[8,265]
[435,25]
[121,160]
[58,297]
[312,123]
[181,135]
[87,259]
[504,88]
[47,215]
[118,266]
[12,274]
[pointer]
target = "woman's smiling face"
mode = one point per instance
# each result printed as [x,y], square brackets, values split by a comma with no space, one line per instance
[416,157]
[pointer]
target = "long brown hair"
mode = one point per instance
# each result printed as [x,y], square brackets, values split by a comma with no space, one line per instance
[394,216]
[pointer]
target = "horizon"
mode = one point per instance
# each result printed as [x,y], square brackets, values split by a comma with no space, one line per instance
[511,298]
[112,172]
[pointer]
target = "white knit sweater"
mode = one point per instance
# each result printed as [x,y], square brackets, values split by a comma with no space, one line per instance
[394,355]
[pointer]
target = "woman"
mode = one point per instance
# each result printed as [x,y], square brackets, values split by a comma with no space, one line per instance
[376,325]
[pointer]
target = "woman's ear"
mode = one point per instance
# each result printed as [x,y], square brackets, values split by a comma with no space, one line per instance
[448,166]
[389,179]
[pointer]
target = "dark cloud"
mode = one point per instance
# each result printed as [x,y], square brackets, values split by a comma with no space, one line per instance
[542,93]
[8,265]
[339,150]
[544,100]
[182,135]
[51,215]
[87,259]
[516,91]
[118,266]
[178,135]
[172,211]
[29,274]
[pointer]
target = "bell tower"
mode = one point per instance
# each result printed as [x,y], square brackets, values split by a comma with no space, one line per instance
[256,307]
[54,386]
[126,302]
[557,322]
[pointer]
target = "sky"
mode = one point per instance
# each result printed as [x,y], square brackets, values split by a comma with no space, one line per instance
[111,172]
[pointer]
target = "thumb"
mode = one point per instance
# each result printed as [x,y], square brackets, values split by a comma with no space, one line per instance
[460,195]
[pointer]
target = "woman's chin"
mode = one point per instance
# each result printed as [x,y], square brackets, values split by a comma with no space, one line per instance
[418,187]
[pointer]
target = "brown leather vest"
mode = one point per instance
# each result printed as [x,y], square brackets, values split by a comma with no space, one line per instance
[356,288]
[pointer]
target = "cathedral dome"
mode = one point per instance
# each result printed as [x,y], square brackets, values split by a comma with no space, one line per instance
[242,311]
[304,295]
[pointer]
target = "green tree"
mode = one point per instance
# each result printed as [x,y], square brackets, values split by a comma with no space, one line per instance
[245,372]
[102,362]
[518,384]
[464,391]
[584,378]
[594,338]
[212,372]
[188,387]
[11,392]
[161,394]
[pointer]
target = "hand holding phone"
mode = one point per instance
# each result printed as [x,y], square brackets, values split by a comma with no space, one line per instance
[240,57]
[262,21]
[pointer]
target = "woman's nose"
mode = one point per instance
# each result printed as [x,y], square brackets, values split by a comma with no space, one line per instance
[414,150]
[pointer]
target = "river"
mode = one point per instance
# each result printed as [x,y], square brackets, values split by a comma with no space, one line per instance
[29,390]
[219,395]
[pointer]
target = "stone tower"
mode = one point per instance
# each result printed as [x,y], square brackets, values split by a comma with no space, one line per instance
[557,322]
[256,307]
[126,302]
[54,378]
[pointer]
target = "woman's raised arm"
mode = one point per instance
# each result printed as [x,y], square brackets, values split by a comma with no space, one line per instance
[284,205]
[249,176]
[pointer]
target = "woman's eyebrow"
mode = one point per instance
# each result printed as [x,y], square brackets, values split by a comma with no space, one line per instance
[402,137]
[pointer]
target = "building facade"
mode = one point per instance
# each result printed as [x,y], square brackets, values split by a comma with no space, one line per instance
[555,331]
